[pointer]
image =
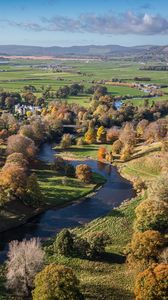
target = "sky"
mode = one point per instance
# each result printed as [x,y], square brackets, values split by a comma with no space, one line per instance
[83,22]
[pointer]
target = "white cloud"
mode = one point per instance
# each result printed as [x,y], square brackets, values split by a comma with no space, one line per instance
[127,23]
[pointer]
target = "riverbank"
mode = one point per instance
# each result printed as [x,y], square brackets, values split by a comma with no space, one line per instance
[109,277]
[58,192]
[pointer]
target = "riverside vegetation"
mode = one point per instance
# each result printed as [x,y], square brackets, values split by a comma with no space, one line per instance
[119,256]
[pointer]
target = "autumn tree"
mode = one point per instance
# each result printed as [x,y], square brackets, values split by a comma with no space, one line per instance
[25,260]
[66,141]
[126,152]
[17,159]
[128,135]
[151,214]
[101,134]
[56,282]
[152,284]
[90,135]
[141,127]
[21,144]
[13,177]
[117,147]
[27,130]
[33,194]
[159,188]
[101,153]
[145,247]
[112,134]
[84,173]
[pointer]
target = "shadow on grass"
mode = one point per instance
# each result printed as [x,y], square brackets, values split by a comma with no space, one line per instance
[102,291]
[112,258]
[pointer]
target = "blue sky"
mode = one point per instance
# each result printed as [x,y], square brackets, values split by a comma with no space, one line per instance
[75,22]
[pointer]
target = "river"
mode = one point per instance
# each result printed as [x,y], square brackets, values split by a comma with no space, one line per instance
[46,225]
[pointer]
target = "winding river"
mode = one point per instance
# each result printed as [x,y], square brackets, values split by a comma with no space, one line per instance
[112,194]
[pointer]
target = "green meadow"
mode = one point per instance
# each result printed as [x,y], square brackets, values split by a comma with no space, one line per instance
[18,73]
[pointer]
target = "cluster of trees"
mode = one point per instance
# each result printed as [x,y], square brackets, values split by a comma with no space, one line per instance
[72,90]
[92,246]
[148,248]
[16,181]
[82,171]
[125,139]
[27,276]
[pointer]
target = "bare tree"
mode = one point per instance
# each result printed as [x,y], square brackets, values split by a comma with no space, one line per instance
[25,260]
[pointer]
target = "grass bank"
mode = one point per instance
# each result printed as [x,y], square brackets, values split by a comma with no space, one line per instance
[57,191]
[108,278]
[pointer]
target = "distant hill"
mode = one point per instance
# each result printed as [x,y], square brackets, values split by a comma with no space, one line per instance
[90,50]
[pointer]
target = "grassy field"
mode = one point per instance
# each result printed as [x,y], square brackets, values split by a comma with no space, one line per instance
[84,151]
[57,191]
[15,77]
[107,278]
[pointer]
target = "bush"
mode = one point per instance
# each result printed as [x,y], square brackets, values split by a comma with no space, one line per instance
[56,282]
[84,173]
[152,284]
[151,214]
[64,243]
[25,260]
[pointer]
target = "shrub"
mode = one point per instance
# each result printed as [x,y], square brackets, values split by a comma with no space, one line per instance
[152,284]
[84,173]
[56,282]
[64,243]
[25,260]
[151,214]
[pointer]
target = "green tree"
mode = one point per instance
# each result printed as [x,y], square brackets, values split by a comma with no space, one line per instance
[56,282]
[64,243]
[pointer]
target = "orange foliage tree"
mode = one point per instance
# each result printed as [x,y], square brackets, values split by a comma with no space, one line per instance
[152,284]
